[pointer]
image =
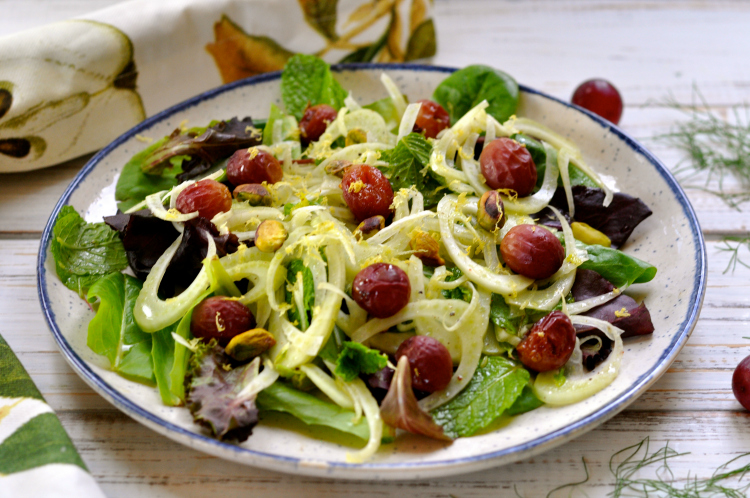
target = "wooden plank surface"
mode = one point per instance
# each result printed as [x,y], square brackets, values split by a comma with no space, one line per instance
[650,50]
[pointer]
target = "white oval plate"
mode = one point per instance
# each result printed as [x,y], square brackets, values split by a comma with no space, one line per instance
[670,239]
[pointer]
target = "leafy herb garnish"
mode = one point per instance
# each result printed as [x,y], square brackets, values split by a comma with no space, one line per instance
[84,252]
[734,250]
[714,147]
[356,358]
[459,292]
[408,165]
[300,317]
[307,80]
[496,385]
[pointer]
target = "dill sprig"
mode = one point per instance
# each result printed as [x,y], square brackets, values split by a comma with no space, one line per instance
[626,463]
[714,147]
[739,243]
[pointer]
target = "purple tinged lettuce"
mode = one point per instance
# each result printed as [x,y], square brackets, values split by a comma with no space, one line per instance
[204,147]
[617,221]
[622,312]
[213,394]
[400,408]
[145,238]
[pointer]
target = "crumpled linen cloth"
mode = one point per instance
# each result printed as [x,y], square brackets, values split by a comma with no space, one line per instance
[69,88]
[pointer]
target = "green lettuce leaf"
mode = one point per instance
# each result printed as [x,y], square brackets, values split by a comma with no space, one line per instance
[171,359]
[301,318]
[84,252]
[502,315]
[496,385]
[356,358]
[467,87]
[408,164]
[526,402]
[280,397]
[113,332]
[134,185]
[386,108]
[307,80]
[616,266]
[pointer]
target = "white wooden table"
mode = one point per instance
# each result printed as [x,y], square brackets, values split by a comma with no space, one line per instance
[648,49]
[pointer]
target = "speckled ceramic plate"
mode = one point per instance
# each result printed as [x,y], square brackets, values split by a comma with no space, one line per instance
[670,239]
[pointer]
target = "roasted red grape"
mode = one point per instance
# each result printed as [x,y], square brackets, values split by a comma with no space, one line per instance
[208,197]
[549,344]
[532,250]
[220,318]
[367,191]
[253,165]
[432,118]
[506,164]
[381,289]
[741,383]
[600,97]
[430,361]
[314,122]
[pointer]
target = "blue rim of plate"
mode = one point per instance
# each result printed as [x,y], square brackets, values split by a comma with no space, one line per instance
[602,414]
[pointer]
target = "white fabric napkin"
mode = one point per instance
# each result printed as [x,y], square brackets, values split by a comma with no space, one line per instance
[70,88]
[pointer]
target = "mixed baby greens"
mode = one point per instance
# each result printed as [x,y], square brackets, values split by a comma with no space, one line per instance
[330,363]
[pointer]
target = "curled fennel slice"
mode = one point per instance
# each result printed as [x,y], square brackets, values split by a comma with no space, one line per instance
[473,327]
[538,201]
[152,313]
[561,282]
[578,384]
[538,130]
[478,274]
[305,346]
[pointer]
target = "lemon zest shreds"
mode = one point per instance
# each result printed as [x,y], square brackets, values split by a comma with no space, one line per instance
[622,313]
[356,186]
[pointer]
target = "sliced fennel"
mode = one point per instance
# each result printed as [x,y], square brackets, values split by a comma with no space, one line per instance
[578,384]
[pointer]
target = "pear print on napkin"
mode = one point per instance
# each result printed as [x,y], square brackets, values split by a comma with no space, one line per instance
[65,80]
[408,33]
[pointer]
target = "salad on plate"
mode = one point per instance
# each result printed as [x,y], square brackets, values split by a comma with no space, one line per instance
[431,267]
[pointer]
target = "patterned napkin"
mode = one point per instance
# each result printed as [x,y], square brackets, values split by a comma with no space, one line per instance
[37,457]
[70,88]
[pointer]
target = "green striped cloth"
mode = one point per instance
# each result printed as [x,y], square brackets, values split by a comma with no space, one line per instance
[37,458]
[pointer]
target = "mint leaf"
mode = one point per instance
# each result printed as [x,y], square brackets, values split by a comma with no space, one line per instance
[280,397]
[493,389]
[307,80]
[113,332]
[84,252]
[333,347]
[460,292]
[408,164]
[501,315]
[300,317]
[357,358]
